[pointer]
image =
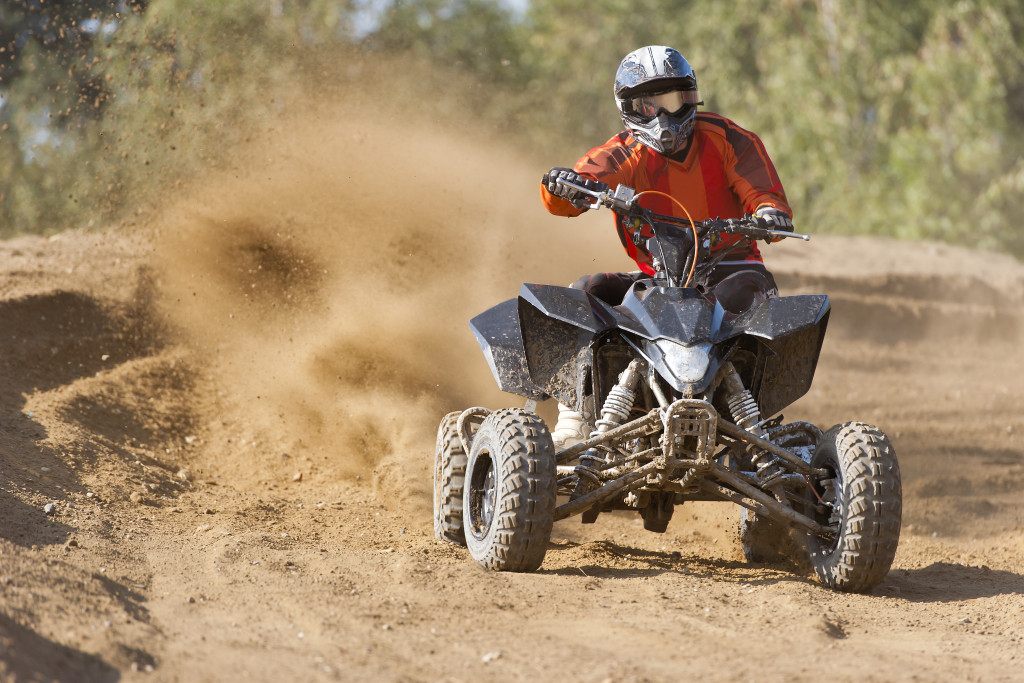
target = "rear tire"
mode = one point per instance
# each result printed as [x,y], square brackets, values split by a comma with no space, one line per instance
[449,476]
[864,502]
[764,540]
[509,494]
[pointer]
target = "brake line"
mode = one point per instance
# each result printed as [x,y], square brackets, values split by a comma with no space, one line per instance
[693,227]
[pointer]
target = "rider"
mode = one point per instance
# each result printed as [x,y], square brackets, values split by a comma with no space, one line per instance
[707,163]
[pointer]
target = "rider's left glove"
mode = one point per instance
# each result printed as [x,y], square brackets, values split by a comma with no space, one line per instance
[560,189]
[774,219]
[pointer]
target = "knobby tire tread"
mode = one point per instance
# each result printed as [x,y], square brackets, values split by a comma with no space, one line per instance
[449,478]
[521,448]
[871,524]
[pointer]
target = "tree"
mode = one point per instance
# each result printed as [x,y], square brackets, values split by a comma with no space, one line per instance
[50,89]
[890,119]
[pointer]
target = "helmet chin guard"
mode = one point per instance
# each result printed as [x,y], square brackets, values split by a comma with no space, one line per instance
[664,134]
[642,76]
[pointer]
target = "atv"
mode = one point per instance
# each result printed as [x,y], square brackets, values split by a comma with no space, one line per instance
[683,383]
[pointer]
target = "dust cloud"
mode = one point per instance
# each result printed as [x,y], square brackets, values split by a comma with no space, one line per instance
[327,282]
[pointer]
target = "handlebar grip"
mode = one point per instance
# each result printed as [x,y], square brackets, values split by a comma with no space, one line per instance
[752,227]
[757,232]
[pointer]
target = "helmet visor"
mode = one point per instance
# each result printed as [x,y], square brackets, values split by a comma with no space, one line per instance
[671,102]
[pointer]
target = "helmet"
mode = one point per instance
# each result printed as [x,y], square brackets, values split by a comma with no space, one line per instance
[656,93]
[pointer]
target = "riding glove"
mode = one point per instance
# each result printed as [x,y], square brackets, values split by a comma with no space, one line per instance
[560,189]
[774,219]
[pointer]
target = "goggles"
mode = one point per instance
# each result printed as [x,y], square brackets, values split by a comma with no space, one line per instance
[671,102]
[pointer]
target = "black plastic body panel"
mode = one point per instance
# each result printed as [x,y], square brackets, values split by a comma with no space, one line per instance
[542,343]
[498,333]
[789,354]
[578,308]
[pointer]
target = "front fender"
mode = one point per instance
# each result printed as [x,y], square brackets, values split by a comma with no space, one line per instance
[498,333]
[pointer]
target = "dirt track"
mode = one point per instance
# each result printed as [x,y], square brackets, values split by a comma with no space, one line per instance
[233,417]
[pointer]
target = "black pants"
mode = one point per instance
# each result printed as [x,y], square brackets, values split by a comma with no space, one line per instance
[611,287]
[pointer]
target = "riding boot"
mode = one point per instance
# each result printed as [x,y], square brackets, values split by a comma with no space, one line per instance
[571,428]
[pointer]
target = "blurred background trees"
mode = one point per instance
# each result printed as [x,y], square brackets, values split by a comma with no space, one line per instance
[902,119]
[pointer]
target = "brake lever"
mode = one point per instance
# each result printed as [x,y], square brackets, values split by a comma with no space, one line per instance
[783,233]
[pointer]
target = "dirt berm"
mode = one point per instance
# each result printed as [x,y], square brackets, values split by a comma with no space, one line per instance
[216,437]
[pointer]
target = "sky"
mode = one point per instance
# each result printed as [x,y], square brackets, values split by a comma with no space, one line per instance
[365,17]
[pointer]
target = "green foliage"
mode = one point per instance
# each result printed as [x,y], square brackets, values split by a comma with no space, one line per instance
[174,85]
[899,119]
[50,91]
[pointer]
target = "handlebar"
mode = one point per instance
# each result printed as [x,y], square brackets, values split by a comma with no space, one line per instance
[623,200]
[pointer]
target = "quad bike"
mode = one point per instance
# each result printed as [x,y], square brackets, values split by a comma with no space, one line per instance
[681,383]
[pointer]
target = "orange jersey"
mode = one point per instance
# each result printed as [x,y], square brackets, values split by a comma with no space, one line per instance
[725,174]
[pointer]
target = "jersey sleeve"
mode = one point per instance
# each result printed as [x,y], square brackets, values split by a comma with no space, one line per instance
[610,163]
[751,173]
[559,206]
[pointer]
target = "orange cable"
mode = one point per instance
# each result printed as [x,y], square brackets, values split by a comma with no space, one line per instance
[811,486]
[693,227]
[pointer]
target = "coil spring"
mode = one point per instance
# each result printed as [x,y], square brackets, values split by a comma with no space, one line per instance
[618,404]
[744,409]
[616,408]
[746,414]
[591,473]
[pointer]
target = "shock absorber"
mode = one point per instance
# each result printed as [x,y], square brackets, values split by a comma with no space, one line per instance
[614,412]
[747,415]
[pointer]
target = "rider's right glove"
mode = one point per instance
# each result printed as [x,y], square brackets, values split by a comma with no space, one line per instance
[560,189]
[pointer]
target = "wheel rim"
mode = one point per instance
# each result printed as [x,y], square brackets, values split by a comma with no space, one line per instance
[482,494]
[829,489]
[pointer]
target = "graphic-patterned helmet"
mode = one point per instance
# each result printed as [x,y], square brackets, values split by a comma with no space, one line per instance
[656,93]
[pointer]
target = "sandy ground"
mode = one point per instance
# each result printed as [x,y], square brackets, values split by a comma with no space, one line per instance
[216,440]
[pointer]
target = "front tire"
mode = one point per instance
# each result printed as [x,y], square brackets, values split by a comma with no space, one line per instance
[509,494]
[862,499]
